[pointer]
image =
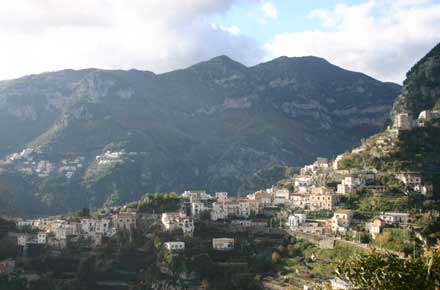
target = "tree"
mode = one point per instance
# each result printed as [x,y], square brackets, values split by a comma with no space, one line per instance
[387,271]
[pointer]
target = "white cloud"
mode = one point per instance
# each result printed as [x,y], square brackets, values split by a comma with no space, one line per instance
[157,35]
[232,29]
[380,38]
[269,11]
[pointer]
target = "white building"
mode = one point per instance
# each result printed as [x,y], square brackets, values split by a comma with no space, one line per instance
[170,220]
[223,244]
[281,196]
[196,195]
[241,208]
[341,220]
[175,246]
[410,178]
[23,239]
[395,217]
[219,211]
[198,207]
[375,227]
[403,121]
[349,184]
[299,200]
[42,238]
[296,220]
[303,183]
[178,220]
[88,225]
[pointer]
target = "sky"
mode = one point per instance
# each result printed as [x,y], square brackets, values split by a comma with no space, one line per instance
[382,38]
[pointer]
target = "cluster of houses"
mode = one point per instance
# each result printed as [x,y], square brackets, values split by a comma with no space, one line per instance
[28,162]
[405,121]
[56,233]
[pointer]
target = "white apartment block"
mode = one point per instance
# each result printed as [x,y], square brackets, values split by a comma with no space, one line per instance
[395,217]
[175,246]
[223,244]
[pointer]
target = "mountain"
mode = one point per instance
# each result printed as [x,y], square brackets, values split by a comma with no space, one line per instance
[91,137]
[416,147]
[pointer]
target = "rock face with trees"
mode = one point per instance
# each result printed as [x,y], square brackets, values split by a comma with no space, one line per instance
[72,139]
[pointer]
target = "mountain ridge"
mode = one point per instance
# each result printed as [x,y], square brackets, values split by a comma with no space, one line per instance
[217,125]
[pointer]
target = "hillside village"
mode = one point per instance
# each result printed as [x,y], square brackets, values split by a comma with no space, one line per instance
[379,198]
[325,208]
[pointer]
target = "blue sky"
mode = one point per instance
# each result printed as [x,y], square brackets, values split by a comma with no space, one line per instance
[382,38]
[292,15]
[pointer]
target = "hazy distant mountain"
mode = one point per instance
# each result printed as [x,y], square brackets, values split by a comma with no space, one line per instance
[217,125]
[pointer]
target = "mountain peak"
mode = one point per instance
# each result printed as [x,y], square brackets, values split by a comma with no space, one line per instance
[221,61]
[309,58]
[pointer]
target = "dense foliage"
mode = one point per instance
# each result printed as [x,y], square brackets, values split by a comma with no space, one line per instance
[387,271]
[159,202]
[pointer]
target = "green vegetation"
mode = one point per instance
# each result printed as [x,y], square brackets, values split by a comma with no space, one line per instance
[303,257]
[378,203]
[395,239]
[386,271]
[159,202]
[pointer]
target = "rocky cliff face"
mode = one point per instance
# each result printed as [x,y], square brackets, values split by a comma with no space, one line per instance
[98,136]
[421,90]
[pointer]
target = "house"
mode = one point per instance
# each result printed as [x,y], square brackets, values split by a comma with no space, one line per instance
[61,233]
[7,266]
[23,239]
[221,196]
[341,220]
[322,162]
[125,221]
[170,220]
[294,220]
[42,238]
[219,211]
[323,198]
[395,217]
[403,121]
[88,225]
[175,246]
[222,244]
[103,226]
[375,227]
[24,223]
[349,184]
[262,198]
[299,200]
[411,179]
[198,207]
[187,226]
[426,188]
[178,220]
[281,196]
[303,183]
[196,195]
